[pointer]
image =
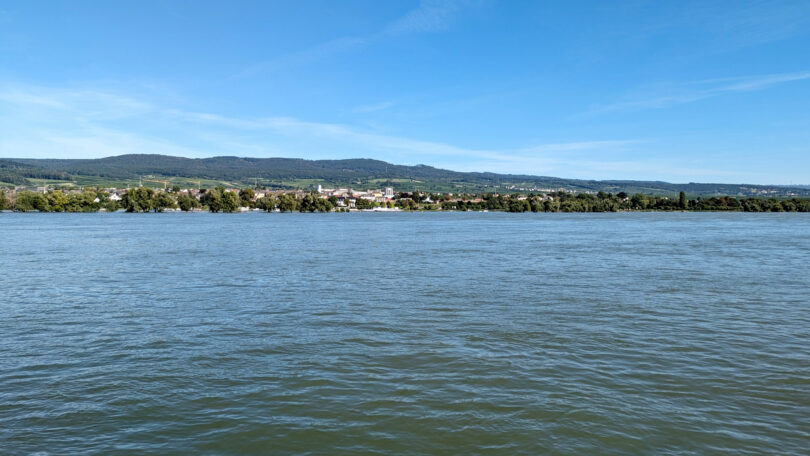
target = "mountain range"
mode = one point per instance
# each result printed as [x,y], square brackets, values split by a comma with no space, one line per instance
[293,173]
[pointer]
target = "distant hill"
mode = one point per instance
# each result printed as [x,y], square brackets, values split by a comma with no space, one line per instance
[18,173]
[357,173]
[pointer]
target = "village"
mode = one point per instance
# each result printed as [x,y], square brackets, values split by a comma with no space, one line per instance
[173,198]
[321,199]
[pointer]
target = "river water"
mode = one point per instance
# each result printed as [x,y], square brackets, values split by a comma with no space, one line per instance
[421,334]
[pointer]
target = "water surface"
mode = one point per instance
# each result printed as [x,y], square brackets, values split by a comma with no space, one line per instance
[425,333]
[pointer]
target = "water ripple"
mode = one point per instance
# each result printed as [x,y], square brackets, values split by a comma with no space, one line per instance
[411,334]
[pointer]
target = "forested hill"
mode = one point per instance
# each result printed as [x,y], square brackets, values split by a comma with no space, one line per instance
[357,173]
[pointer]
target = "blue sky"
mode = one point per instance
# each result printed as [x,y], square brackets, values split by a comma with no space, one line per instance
[680,91]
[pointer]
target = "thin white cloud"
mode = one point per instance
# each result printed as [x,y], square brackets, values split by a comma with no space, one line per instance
[761,83]
[373,108]
[304,57]
[42,129]
[581,145]
[689,94]
[429,16]
[368,141]
[86,103]
[51,123]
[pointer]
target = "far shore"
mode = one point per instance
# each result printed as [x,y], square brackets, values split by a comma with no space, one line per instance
[220,199]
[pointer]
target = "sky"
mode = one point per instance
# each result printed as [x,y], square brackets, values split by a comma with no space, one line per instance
[683,91]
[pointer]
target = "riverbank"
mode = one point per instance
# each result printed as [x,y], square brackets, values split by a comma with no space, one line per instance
[219,199]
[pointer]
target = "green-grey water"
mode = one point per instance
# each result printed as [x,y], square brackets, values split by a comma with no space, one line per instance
[418,334]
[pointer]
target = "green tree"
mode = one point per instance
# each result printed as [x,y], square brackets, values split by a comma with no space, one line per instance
[38,201]
[219,200]
[246,196]
[268,203]
[187,202]
[163,201]
[31,201]
[58,201]
[314,203]
[682,200]
[516,205]
[213,199]
[230,202]
[638,201]
[362,203]
[110,206]
[287,203]
[139,199]
[84,201]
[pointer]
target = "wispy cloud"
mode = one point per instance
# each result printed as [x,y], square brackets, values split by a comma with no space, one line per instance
[53,123]
[50,123]
[90,103]
[700,90]
[303,57]
[577,146]
[374,107]
[733,26]
[429,16]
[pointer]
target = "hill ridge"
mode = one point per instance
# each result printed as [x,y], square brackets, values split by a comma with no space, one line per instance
[304,173]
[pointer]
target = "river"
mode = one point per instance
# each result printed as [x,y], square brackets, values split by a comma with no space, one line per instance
[404,334]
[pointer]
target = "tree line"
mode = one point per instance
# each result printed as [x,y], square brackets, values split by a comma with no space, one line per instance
[608,202]
[142,199]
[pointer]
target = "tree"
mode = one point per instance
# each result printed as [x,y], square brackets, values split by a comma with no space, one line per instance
[638,201]
[213,199]
[4,204]
[58,201]
[788,206]
[268,203]
[308,204]
[516,205]
[219,200]
[287,203]
[31,201]
[163,201]
[230,202]
[110,206]
[682,200]
[315,203]
[187,202]
[406,203]
[84,201]
[362,203]
[139,199]
[246,196]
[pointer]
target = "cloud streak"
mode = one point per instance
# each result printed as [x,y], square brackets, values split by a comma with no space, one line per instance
[373,108]
[429,16]
[53,123]
[685,95]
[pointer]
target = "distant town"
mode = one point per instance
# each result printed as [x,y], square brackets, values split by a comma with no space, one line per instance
[320,199]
